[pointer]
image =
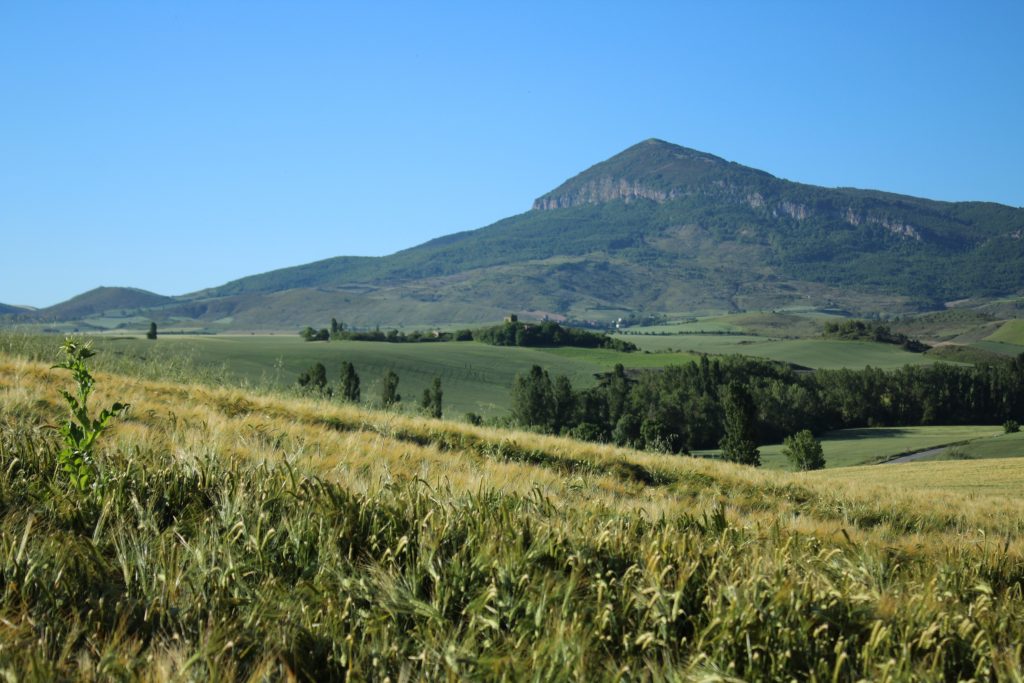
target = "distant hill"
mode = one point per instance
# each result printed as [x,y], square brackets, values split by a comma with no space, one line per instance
[7,309]
[656,228]
[99,301]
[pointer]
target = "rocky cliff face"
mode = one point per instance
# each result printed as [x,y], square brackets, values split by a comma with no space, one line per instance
[602,190]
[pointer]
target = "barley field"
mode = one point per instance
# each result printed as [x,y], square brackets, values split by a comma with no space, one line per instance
[236,535]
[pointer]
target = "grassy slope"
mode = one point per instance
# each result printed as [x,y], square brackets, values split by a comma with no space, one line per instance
[1010,332]
[1001,348]
[519,555]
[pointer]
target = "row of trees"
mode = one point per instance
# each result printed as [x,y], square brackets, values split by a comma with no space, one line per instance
[548,333]
[314,380]
[736,402]
[511,333]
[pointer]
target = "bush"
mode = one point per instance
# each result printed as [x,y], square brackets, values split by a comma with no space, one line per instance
[804,451]
[1011,427]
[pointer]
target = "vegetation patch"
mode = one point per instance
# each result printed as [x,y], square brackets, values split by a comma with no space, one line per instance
[1010,332]
[861,330]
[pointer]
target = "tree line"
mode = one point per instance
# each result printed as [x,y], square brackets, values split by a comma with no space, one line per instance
[735,402]
[548,333]
[510,333]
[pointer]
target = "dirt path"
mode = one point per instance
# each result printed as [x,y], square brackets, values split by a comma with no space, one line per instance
[916,456]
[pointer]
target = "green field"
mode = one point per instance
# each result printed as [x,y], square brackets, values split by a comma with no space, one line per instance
[1010,332]
[811,353]
[999,446]
[475,377]
[716,324]
[788,324]
[850,447]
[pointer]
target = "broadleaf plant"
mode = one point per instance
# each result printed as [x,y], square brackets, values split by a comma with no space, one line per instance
[80,431]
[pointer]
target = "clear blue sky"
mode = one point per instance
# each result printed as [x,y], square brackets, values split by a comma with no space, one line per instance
[177,145]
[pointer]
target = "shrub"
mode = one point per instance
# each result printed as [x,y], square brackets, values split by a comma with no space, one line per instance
[804,451]
[1011,427]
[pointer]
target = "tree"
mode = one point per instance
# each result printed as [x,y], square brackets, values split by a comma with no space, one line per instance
[336,328]
[533,399]
[740,441]
[349,382]
[804,451]
[389,390]
[616,389]
[564,404]
[152,331]
[431,401]
[315,379]
[309,334]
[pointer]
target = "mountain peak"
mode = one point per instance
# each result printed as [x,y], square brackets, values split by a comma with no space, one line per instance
[654,169]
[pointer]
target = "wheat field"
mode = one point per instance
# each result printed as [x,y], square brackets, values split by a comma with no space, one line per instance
[253,536]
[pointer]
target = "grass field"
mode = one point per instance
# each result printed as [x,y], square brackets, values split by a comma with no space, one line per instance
[715,324]
[852,447]
[1001,348]
[998,446]
[475,377]
[1010,332]
[765,324]
[241,536]
[811,353]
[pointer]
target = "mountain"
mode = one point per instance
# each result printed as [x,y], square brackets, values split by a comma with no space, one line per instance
[119,301]
[7,309]
[656,228]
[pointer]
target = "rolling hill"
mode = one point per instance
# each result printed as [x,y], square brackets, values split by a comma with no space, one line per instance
[102,300]
[7,309]
[656,228]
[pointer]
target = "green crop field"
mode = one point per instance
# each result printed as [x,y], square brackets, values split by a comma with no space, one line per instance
[789,324]
[999,446]
[475,377]
[1010,332]
[1001,348]
[811,353]
[716,324]
[851,447]
[699,343]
